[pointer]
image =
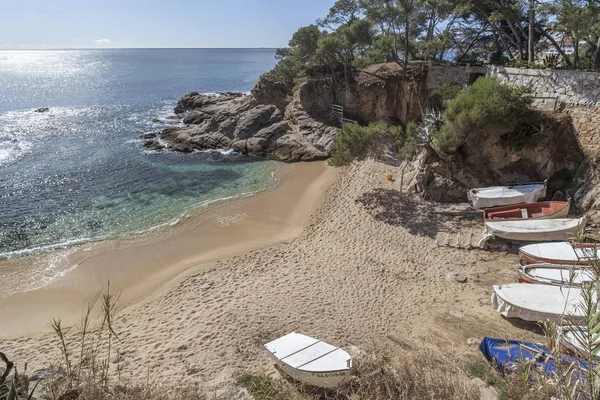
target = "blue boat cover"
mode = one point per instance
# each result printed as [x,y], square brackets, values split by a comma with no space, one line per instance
[507,354]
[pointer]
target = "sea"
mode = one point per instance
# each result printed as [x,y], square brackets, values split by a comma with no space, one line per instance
[77,173]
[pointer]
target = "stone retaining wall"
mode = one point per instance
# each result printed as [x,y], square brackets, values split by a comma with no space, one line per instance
[573,88]
[570,88]
[586,121]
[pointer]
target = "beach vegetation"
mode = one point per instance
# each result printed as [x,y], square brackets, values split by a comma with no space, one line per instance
[356,142]
[483,105]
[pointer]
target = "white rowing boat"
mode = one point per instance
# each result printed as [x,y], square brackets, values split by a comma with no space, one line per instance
[557,275]
[539,303]
[576,338]
[533,230]
[559,253]
[311,361]
[506,195]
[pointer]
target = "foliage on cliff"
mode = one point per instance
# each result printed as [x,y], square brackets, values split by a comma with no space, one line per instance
[356,143]
[487,103]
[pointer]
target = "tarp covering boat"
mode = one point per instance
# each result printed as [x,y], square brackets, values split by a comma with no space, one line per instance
[559,253]
[540,210]
[533,230]
[310,360]
[539,303]
[506,195]
[507,356]
[554,274]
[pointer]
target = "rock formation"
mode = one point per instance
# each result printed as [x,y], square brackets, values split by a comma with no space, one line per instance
[555,155]
[295,126]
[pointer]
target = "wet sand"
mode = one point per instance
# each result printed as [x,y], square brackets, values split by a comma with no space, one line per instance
[139,267]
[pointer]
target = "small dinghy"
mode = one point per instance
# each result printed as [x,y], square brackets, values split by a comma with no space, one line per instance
[311,361]
[559,253]
[575,338]
[506,195]
[539,303]
[541,210]
[508,355]
[532,230]
[557,275]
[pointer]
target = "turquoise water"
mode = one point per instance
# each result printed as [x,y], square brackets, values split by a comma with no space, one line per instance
[76,173]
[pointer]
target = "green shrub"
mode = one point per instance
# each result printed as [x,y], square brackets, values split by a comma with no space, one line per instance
[355,142]
[486,103]
[448,91]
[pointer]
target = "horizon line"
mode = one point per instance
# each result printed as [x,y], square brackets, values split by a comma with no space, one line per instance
[142,48]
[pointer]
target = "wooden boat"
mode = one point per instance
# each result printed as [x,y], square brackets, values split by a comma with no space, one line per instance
[540,210]
[559,253]
[506,195]
[539,303]
[557,275]
[311,361]
[533,230]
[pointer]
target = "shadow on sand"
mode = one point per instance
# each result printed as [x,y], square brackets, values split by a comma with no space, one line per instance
[403,210]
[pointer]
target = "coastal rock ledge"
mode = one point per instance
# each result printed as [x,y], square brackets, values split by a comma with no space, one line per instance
[238,121]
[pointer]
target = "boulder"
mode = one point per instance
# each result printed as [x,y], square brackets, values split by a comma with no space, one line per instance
[270,91]
[153,144]
[196,117]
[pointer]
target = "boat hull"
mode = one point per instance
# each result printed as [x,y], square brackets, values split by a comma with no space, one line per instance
[327,380]
[532,230]
[496,196]
[541,210]
[526,257]
[555,275]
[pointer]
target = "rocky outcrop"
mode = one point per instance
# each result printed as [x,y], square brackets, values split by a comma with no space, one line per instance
[555,155]
[388,92]
[298,126]
[270,91]
[239,122]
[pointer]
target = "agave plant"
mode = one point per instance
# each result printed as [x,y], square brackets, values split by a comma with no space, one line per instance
[432,121]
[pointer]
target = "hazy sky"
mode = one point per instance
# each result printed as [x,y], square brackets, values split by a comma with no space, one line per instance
[154,23]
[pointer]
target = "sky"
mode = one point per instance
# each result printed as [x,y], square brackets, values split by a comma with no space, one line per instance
[44,24]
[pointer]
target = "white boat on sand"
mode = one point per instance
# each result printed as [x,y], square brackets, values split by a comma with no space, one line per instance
[539,303]
[557,275]
[533,230]
[506,195]
[559,253]
[311,361]
[576,338]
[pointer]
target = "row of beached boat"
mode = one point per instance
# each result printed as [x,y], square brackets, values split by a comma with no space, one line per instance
[510,213]
[552,275]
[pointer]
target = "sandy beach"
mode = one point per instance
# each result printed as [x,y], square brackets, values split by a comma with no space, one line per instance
[335,254]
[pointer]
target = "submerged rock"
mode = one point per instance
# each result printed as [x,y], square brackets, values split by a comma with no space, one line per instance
[153,144]
[42,110]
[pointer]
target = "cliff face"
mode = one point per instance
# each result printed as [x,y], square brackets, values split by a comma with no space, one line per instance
[298,126]
[387,92]
[486,160]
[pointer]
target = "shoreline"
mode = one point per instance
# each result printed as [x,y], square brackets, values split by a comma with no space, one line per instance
[140,267]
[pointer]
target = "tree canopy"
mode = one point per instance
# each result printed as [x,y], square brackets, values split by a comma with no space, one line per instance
[359,32]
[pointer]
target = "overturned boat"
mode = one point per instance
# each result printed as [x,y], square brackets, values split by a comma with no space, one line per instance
[559,253]
[540,210]
[539,303]
[532,230]
[509,355]
[554,274]
[506,195]
[311,361]
[577,339]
